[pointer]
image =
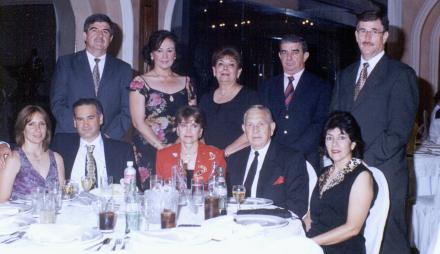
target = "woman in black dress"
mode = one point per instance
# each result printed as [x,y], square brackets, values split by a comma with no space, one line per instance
[225,106]
[155,98]
[345,191]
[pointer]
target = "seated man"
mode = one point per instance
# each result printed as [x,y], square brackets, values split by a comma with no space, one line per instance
[267,169]
[111,155]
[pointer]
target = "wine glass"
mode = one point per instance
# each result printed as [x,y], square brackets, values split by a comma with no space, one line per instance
[87,183]
[239,193]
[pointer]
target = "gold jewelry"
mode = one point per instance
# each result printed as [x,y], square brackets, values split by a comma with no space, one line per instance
[333,177]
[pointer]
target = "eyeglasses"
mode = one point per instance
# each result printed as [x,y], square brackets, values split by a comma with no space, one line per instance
[374,32]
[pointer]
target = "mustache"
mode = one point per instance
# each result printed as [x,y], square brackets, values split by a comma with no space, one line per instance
[366,43]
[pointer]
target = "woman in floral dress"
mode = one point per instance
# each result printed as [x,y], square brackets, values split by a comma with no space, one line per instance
[155,98]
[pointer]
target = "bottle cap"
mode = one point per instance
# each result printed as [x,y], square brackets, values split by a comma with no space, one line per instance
[129,163]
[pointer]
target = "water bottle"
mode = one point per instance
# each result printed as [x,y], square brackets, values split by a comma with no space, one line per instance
[130,176]
[212,178]
[221,191]
[132,209]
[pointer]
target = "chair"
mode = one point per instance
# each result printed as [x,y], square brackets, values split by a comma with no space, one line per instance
[312,179]
[376,220]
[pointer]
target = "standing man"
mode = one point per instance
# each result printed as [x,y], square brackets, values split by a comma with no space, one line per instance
[382,94]
[92,73]
[266,168]
[110,155]
[299,101]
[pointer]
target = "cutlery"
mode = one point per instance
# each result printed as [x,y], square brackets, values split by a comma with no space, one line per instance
[117,242]
[15,238]
[105,241]
[123,242]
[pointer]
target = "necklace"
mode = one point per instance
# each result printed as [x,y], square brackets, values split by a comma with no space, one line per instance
[333,177]
[164,77]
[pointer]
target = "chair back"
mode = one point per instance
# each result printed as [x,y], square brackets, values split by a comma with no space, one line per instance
[375,224]
[313,178]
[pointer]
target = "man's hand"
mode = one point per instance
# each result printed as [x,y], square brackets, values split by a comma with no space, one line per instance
[5,152]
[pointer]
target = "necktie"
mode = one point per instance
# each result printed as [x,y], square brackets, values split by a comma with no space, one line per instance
[90,162]
[288,93]
[95,74]
[361,81]
[251,175]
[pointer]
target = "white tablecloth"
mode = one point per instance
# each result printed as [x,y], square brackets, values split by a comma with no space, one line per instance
[427,169]
[425,223]
[288,239]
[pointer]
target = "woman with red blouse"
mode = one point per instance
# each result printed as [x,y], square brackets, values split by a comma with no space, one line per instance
[196,157]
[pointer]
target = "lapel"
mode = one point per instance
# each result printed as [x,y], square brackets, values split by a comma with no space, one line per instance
[378,74]
[107,154]
[240,166]
[266,169]
[107,72]
[84,72]
[277,95]
[352,73]
[71,156]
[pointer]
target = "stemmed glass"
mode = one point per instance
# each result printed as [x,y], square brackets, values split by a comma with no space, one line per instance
[239,193]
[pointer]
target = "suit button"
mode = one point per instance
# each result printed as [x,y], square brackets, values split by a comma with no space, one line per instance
[286,117]
[285,131]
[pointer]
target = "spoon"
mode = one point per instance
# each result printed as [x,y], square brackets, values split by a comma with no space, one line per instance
[105,241]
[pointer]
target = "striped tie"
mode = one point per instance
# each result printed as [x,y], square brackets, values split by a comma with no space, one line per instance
[289,91]
[361,81]
[95,73]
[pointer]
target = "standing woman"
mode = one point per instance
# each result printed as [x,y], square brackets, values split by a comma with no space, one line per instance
[225,106]
[155,98]
[32,164]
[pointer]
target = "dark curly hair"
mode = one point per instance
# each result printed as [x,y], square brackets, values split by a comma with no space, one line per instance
[156,39]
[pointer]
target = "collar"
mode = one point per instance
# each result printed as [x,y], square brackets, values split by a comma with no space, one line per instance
[96,142]
[373,61]
[296,76]
[91,58]
[261,152]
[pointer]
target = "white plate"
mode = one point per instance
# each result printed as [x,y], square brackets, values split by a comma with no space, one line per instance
[44,234]
[266,221]
[252,202]
[20,208]
[185,236]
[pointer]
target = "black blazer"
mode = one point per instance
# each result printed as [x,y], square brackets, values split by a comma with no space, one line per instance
[116,153]
[385,110]
[299,126]
[283,176]
[73,80]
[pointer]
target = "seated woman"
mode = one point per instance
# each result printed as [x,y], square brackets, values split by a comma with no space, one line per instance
[196,157]
[32,164]
[345,191]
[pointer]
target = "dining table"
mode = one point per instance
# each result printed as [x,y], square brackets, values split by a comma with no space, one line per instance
[75,231]
[426,168]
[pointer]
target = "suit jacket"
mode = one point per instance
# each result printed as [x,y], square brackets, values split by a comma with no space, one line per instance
[299,126]
[283,176]
[206,155]
[385,110]
[116,153]
[72,80]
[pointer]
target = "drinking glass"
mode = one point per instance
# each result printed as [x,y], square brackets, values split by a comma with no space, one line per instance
[48,209]
[105,209]
[37,197]
[197,191]
[87,183]
[105,185]
[156,182]
[239,193]
[57,193]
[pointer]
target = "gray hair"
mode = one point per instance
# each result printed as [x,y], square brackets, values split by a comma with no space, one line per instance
[261,108]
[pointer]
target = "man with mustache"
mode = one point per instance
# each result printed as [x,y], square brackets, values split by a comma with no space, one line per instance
[382,94]
[92,73]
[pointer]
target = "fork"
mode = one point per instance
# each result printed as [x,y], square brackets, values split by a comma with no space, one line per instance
[15,238]
[117,242]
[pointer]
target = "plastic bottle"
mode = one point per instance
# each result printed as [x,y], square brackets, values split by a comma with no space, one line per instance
[130,176]
[132,209]
[221,191]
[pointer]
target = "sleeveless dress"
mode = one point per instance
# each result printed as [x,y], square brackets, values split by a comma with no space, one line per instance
[330,211]
[28,178]
[160,111]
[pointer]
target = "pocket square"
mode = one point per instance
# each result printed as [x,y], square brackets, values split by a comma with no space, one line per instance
[280,180]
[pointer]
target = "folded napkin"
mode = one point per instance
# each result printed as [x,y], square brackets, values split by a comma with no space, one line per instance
[55,233]
[280,212]
[6,211]
[225,227]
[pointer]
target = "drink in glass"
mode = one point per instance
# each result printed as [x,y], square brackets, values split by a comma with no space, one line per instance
[239,193]
[107,221]
[167,219]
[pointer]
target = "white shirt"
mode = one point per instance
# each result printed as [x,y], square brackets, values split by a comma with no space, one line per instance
[296,77]
[261,155]
[79,166]
[371,64]
[91,59]
[434,127]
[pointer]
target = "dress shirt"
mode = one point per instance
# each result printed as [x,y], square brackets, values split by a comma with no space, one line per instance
[296,77]
[261,155]
[79,166]
[92,63]
[371,64]
[434,127]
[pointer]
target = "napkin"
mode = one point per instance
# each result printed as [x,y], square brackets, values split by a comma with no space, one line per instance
[280,212]
[8,211]
[55,233]
[224,227]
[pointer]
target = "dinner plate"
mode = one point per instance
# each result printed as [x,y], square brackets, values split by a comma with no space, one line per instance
[185,236]
[62,234]
[266,221]
[14,208]
[252,202]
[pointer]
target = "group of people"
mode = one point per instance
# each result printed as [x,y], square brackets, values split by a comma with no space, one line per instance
[262,139]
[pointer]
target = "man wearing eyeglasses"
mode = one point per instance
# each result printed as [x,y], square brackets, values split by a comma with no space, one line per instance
[297,99]
[382,95]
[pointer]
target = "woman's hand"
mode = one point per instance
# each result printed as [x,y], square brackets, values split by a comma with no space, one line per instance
[5,152]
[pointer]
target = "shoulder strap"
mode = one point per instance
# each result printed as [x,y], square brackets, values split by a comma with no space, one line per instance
[145,83]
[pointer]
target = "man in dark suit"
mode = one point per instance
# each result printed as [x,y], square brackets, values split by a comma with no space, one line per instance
[299,101]
[92,73]
[110,155]
[266,168]
[382,94]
